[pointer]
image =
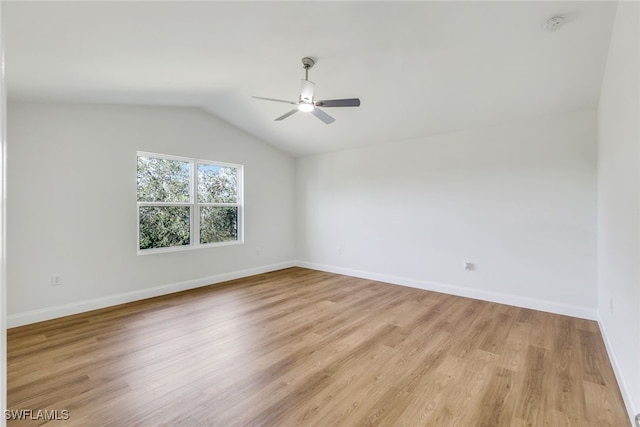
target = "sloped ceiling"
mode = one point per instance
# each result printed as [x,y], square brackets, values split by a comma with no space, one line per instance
[419,68]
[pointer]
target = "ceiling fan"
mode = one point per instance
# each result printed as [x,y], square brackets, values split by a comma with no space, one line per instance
[307,104]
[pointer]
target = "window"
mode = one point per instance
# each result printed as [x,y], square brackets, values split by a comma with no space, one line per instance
[187,203]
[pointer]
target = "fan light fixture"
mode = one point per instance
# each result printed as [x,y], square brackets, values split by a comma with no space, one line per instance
[306,107]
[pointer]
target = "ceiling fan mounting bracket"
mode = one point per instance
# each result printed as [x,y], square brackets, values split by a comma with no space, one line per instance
[307,62]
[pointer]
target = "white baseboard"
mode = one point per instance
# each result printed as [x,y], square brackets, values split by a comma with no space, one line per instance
[535,304]
[622,385]
[35,316]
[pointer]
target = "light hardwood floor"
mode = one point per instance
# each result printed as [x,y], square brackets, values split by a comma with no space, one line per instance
[302,347]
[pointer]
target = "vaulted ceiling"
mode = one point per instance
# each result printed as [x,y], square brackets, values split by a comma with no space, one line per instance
[419,68]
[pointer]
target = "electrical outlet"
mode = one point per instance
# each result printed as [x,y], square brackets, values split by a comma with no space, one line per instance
[339,250]
[611,305]
[469,266]
[56,280]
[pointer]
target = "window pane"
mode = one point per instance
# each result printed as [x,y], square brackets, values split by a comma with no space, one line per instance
[218,224]
[163,180]
[164,226]
[217,184]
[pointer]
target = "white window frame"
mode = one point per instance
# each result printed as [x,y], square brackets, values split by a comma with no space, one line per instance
[194,205]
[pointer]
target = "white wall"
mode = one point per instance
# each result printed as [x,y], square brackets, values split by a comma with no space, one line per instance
[519,201]
[72,205]
[3,284]
[619,202]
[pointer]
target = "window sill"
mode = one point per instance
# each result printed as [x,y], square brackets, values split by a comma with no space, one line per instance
[188,247]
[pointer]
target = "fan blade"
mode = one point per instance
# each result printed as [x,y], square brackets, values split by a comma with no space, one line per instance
[351,102]
[306,92]
[284,116]
[276,100]
[327,119]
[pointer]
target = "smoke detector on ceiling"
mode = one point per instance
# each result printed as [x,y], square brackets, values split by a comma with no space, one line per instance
[553,24]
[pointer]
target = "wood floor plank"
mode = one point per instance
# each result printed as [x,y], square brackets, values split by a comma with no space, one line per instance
[498,403]
[298,347]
